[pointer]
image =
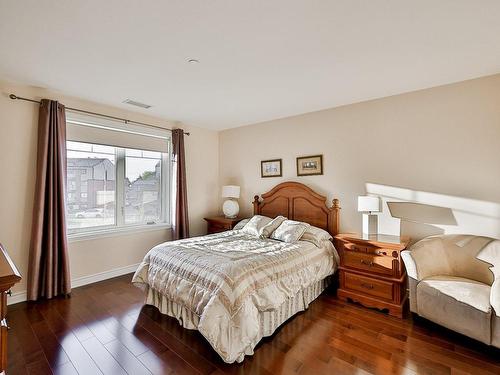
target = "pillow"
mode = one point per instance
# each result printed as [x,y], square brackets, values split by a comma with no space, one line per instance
[241,224]
[262,226]
[256,224]
[271,227]
[290,231]
[316,235]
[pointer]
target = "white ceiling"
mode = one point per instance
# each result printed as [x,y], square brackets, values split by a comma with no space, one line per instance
[259,60]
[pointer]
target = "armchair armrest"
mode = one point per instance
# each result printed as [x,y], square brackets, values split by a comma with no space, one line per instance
[411,270]
[411,266]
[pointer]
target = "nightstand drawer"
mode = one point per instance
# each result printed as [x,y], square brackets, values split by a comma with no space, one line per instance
[367,249]
[368,285]
[355,247]
[367,262]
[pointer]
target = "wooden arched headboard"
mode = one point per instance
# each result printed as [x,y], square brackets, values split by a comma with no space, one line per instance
[296,201]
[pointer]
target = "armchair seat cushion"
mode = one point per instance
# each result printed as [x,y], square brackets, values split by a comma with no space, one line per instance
[457,303]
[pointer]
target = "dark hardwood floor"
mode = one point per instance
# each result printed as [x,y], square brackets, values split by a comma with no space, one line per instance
[104,328]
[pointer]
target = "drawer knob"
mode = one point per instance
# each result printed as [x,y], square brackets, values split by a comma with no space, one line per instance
[369,264]
[367,286]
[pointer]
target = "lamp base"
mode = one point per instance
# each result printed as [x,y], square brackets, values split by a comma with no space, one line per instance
[370,224]
[230,208]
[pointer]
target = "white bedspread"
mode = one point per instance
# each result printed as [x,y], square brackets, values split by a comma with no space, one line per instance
[228,278]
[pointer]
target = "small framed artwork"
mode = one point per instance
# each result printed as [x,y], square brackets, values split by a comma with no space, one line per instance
[310,165]
[270,168]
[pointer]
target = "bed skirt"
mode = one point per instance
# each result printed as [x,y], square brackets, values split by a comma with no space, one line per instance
[269,321]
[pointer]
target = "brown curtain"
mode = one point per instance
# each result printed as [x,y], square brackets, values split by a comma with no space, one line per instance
[48,272]
[181,221]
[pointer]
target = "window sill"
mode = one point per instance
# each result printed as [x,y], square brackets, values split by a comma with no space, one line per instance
[113,232]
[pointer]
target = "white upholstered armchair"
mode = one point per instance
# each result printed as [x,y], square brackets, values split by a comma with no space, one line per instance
[454,281]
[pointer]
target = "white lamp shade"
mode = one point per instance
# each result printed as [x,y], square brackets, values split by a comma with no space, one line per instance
[368,204]
[230,191]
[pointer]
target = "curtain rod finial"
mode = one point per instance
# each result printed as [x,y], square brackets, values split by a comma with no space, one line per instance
[12,96]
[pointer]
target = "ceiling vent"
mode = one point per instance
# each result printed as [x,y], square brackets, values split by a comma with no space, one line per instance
[137,104]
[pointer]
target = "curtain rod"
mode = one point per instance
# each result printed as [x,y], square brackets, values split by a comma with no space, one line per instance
[15,97]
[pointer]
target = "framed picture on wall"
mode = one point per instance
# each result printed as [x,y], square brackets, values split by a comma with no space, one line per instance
[310,165]
[270,168]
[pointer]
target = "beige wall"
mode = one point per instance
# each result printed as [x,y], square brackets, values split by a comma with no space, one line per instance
[18,124]
[437,147]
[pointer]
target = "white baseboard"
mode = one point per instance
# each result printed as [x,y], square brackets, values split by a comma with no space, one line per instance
[17,297]
[90,279]
[80,281]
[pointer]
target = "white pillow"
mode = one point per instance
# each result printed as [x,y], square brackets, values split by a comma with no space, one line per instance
[290,231]
[262,226]
[272,226]
[316,235]
[241,224]
[256,224]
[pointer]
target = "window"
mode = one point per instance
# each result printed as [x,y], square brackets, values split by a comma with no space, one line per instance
[96,207]
[115,187]
[142,186]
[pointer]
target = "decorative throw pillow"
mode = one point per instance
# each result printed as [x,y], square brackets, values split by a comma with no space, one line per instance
[290,231]
[316,235]
[271,227]
[256,224]
[241,224]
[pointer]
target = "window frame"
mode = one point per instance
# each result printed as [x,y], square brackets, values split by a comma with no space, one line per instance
[120,227]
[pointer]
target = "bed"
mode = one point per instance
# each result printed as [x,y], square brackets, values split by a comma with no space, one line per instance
[235,288]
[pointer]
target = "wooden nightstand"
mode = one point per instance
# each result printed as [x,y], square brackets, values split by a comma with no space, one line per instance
[218,224]
[372,271]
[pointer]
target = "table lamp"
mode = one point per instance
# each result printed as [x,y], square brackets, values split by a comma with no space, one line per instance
[230,206]
[367,205]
